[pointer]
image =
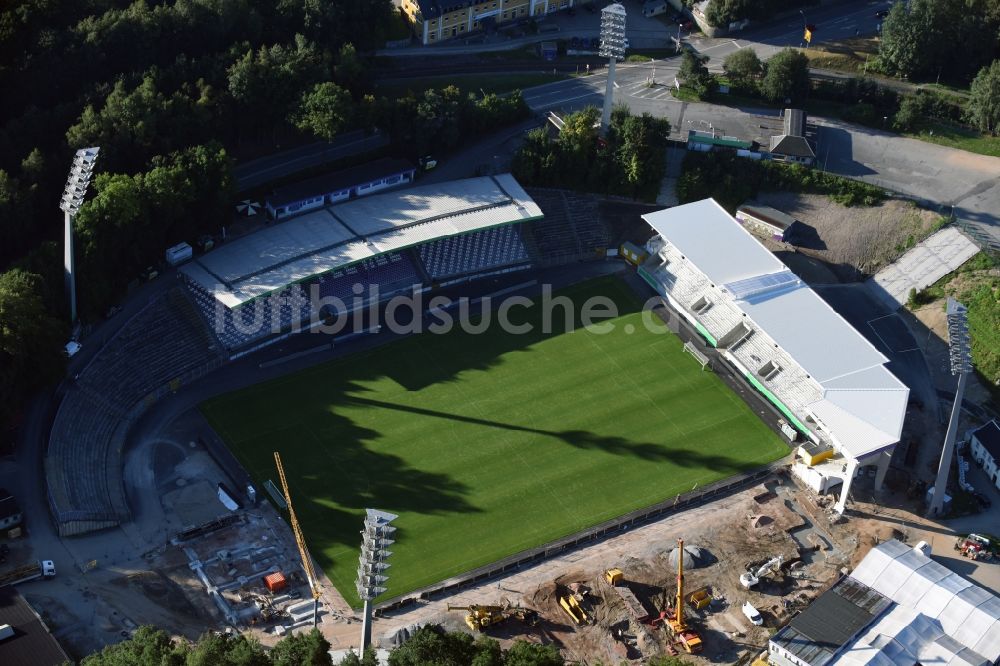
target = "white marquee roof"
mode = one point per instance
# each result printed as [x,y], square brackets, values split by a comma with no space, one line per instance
[342,234]
[966,613]
[863,404]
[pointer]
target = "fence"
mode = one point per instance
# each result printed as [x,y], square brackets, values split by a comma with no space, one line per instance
[604,530]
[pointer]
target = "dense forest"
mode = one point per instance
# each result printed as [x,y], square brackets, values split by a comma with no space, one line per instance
[174,92]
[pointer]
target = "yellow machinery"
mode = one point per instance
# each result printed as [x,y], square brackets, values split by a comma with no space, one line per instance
[300,541]
[479,616]
[688,637]
[700,598]
[573,609]
[613,576]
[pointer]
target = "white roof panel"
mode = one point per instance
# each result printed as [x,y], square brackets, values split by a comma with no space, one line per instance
[709,237]
[819,339]
[862,405]
[334,237]
[968,615]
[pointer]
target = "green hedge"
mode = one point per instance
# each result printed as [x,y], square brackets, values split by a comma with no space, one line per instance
[731,180]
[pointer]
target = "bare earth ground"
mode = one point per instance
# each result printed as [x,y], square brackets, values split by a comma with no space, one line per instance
[854,242]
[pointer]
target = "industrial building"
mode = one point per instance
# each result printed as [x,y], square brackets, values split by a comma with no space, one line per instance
[771,221]
[829,383]
[10,512]
[897,607]
[338,186]
[24,638]
[436,20]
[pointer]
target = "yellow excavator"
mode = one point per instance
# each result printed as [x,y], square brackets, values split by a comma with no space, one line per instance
[479,616]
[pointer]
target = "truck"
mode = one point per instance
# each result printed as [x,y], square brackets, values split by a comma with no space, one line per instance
[28,572]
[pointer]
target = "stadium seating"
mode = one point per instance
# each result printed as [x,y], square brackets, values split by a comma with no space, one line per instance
[473,253]
[152,353]
[268,316]
[571,230]
[717,312]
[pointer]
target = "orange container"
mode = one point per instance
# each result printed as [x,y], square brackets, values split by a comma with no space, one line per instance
[275,582]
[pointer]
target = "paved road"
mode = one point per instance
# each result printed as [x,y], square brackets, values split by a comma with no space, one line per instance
[935,175]
[261,171]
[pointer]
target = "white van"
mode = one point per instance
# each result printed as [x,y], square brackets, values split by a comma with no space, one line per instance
[752,613]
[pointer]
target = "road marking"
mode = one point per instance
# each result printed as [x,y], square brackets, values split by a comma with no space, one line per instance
[568,99]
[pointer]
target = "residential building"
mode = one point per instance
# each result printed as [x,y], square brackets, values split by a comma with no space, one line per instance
[338,186]
[897,607]
[437,20]
[24,638]
[10,512]
[792,145]
[986,450]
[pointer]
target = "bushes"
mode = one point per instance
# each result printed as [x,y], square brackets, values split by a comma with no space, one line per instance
[629,161]
[731,180]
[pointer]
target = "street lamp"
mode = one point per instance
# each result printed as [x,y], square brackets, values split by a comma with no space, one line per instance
[73,196]
[961,365]
[613,48]
[372,565]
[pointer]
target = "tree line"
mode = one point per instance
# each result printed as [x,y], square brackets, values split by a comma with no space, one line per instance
[428,646]
[629,161]
[171,92]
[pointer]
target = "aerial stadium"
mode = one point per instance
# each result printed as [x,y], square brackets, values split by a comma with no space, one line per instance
[489,443]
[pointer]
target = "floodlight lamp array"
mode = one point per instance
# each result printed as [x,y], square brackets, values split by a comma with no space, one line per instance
[613,32]
[376,537]
[78,180]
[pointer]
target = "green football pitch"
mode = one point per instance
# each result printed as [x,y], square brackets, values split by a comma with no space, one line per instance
[488,444]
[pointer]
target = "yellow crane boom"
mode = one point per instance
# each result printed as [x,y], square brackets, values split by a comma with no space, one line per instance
[300,540]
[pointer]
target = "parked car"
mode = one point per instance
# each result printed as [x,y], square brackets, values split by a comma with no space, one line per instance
[752,613]
[882,13]
[983,500]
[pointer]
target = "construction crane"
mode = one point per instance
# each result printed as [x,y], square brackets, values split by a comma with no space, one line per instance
[688,637]
[751,578]
[300,541]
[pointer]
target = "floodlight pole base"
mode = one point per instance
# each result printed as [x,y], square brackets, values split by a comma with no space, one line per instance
[366,627]
[609,97]
[69,265]
[944,465]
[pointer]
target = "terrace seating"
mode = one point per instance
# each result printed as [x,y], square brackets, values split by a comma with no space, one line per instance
[473,253]
[279,312]
[153,352]
[571,230]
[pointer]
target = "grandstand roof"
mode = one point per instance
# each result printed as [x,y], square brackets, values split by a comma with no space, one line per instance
[863,404]
[342,234]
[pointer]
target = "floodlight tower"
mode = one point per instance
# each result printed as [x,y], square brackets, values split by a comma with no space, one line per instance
[376,538]
[73,195]
[612,48]
[961,365]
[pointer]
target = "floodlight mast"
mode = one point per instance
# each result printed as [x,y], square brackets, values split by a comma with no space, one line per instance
[612,48]
[73,195]
[376,538]
[961,365]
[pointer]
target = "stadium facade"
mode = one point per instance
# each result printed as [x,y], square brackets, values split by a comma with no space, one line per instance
[828,381]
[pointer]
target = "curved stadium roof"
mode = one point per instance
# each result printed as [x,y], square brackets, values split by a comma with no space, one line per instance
[339,235]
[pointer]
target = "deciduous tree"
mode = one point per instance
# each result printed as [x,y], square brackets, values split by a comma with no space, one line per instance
[786,77]
[743,68]
[323,111]
[984,99]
